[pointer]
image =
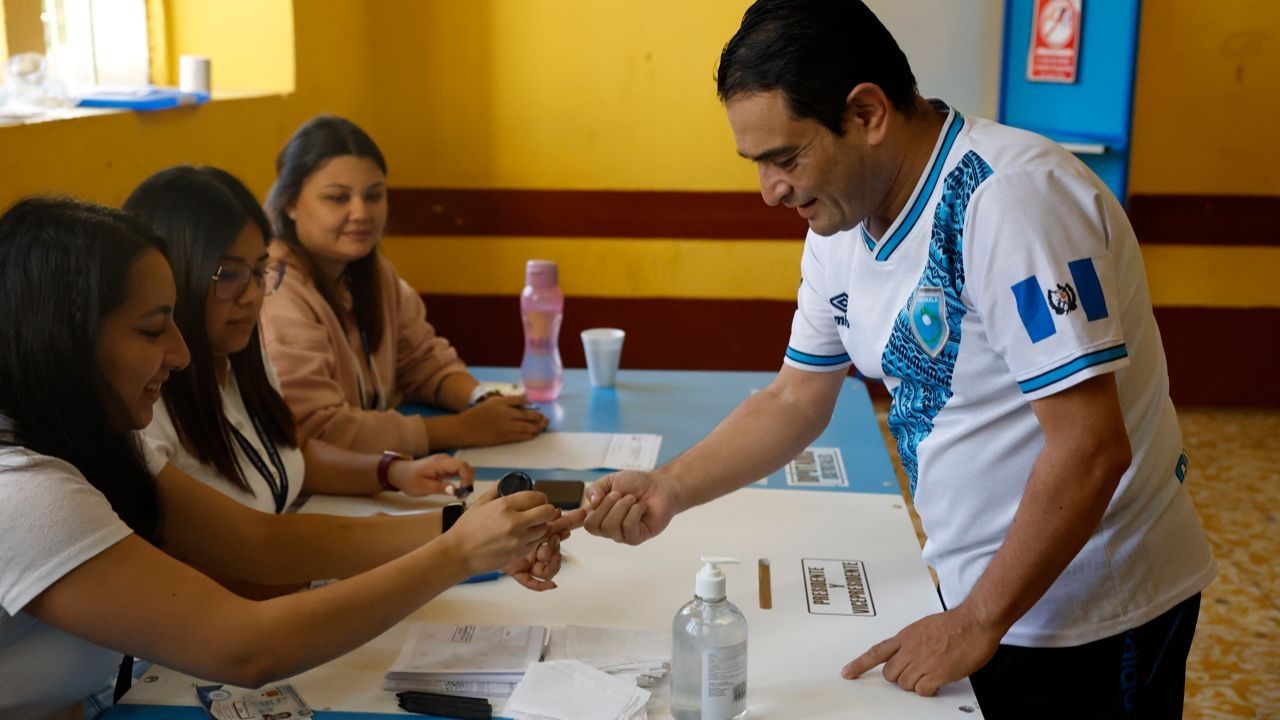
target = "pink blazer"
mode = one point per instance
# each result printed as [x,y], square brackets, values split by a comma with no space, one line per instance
[323,371]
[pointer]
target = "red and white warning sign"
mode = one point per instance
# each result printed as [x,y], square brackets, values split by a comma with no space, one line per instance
[1055,41]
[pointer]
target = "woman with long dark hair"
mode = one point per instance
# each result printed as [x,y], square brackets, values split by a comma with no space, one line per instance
[348,337]
[106,549]
[222,420]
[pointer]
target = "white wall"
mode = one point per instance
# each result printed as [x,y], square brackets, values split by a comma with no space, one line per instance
[953,47]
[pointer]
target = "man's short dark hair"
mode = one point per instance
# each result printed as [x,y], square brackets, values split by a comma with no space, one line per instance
[815,52]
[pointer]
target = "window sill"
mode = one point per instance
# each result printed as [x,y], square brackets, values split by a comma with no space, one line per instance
[8,119]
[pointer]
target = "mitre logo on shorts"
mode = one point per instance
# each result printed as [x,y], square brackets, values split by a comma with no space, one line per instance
[841,303]
[929,319]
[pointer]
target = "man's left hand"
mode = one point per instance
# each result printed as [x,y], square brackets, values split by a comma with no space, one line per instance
[931,652]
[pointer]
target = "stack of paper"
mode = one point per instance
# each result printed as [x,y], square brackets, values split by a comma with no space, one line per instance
[470,660]
[572,690]
[641,656]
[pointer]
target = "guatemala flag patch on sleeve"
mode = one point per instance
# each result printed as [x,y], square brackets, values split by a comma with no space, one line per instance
[1033,308]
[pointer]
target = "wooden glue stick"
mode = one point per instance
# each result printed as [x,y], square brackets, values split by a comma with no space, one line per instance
[766,585]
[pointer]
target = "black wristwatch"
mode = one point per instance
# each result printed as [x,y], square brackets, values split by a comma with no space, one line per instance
[449,515]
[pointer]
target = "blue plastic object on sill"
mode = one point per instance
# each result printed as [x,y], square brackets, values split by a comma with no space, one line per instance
[155,99]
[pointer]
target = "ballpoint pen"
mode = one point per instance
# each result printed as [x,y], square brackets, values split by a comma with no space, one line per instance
[452,706]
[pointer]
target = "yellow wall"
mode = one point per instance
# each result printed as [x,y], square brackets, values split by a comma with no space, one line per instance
[720,269]
[23,32]
[4,41]
[249,42]
[1206,100]
[561,94]
[571,94]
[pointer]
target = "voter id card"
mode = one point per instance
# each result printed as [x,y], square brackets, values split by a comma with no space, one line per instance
[278,702]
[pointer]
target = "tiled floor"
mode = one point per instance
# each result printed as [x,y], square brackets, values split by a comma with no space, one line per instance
[1234,668]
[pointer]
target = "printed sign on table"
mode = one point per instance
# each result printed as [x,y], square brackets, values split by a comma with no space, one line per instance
[837,587]
[817,466]
[1055,41]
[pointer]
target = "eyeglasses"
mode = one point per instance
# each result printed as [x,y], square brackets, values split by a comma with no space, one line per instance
[231,279]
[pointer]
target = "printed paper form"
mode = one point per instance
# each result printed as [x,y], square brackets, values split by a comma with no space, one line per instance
[453,650]
[571,451]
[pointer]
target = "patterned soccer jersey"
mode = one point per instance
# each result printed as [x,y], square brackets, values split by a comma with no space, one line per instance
[1011,274]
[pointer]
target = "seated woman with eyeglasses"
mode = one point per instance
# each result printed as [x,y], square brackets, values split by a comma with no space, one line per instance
[222,420]
[349,337]
[106,549]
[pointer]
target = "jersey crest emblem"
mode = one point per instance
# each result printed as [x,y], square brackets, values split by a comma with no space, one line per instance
[929,319]
[1062,298]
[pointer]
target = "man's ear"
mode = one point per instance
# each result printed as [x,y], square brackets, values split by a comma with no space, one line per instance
[867,110]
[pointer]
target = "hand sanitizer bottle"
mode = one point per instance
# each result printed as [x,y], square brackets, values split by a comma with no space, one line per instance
[709,652]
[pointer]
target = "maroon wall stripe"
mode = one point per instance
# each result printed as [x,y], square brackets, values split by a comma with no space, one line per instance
[1206,219]
[688,334]
[590,213]
[1222,356]
[661,332]
[1157,219]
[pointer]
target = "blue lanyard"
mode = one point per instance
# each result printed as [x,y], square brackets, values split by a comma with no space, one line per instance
[280,488]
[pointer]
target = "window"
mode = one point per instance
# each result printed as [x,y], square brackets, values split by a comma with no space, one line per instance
[97,42]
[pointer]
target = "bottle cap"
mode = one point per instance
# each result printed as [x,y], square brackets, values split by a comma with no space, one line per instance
[541,273]
[711,582]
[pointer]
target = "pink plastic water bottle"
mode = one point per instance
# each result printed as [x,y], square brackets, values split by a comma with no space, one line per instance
[542,307]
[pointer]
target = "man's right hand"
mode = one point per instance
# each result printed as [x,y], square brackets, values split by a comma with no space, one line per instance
[630,507]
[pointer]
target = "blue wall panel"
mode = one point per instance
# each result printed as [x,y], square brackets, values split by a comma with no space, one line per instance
[1098,107]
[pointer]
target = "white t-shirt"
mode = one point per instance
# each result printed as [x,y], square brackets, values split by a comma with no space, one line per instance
[51,521]
[162,437]
[1011,274]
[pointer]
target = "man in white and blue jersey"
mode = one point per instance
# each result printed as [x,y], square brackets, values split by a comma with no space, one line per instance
[996,286]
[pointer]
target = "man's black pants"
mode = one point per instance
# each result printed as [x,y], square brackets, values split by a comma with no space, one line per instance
[1139,673]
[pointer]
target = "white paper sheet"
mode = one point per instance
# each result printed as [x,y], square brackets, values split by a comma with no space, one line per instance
[633,452]
[572,690]
[641,656]
[571,451]
[599,646]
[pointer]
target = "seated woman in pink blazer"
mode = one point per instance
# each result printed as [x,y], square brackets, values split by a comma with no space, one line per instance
[348,337]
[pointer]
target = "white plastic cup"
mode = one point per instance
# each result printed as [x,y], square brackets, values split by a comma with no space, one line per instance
[194,74]
[603,348]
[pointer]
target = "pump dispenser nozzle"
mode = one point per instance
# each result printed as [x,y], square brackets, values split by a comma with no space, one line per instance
[711,581]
